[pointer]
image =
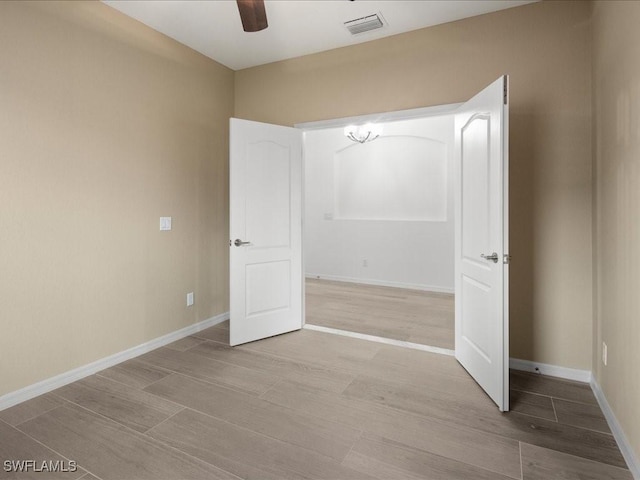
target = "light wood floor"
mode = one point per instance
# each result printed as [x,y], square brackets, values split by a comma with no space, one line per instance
[308,405]
[409,315]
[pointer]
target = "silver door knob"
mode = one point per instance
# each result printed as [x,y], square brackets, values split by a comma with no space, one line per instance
[239,243]
[493,257]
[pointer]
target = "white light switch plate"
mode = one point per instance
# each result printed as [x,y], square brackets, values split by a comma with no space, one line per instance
[165,223]
[189,299]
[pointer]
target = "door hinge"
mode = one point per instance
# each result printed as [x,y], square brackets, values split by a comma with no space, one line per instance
[505,96]
[506,259]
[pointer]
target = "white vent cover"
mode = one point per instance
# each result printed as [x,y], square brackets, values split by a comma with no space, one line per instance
[364,24]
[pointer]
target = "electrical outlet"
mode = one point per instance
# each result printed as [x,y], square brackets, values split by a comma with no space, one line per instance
[604,353]
[365,263]
[189,299]
[165,224]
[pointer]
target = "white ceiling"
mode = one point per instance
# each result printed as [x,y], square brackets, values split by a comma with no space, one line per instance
[296,27]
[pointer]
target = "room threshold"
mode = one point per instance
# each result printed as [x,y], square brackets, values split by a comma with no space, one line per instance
[387,341]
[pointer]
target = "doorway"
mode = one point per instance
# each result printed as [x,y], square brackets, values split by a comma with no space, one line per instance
[259,192]
[379,228]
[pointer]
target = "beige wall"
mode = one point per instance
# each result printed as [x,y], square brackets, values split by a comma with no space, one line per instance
[616,69]
[105,126]
[545,48]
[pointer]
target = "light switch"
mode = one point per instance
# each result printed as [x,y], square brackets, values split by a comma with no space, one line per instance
[189,299]
[165,223]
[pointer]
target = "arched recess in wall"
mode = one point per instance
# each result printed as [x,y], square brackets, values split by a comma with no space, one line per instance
[398,177]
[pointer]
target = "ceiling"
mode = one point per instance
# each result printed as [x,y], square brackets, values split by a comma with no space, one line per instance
[296,27]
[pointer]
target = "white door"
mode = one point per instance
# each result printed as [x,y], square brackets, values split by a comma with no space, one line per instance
[482,240]
[265,190]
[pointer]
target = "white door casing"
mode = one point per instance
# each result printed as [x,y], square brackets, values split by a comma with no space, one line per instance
[481,229]
[265,191]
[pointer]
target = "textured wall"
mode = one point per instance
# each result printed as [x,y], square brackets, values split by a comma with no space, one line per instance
[106,126]
[545,47]
[616,49]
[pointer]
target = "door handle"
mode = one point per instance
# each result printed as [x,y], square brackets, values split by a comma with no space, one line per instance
[239,243]
[493,257]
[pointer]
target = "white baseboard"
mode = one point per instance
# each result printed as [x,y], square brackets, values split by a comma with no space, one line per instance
[382,283]
[13,398]
[621,439]
[551,370]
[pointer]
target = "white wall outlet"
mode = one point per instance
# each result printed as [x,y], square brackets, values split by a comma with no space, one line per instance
[190,299]
[365,262]
[604,353]
[165,224]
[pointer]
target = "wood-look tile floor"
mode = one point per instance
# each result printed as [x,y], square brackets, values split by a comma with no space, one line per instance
[413,316]
[308,405]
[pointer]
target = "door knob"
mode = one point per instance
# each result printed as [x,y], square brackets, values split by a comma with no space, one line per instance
[493,257]
[239,243]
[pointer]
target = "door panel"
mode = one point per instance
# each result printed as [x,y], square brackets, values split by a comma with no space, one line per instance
[481,284]
[475,187]
[268,194]
[264,294]
[266,216]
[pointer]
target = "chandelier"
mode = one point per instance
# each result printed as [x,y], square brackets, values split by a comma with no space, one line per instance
[363,133]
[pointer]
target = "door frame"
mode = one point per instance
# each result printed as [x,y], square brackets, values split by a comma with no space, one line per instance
[410,114]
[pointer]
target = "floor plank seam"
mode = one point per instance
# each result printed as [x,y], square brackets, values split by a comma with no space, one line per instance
[532,415]
[140,390]
[119,382]
[446,423]
[45,445]
[409,448]
[255,432]
[521,466]
[209,381]
[352,446]
[272,387]
[516,389]
[183,452]
[581,459]
[163,421]
[555,412]
[38,415]
[278,358]
[212,383]
[86,475]
[142,435]
[117,422]
[151,364]
[295,359]
[347,386]
[478,430]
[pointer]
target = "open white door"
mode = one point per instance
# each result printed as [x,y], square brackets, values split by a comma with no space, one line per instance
[265,190]
[482,240]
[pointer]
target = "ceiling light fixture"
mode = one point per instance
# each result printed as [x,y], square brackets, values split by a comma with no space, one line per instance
[363,133]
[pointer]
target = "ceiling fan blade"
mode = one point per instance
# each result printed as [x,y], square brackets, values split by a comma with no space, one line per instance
[253,15]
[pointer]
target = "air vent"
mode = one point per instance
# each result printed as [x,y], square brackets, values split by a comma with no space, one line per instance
[364,24]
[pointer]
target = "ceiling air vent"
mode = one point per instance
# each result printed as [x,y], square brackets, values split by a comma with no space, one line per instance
[364,24]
